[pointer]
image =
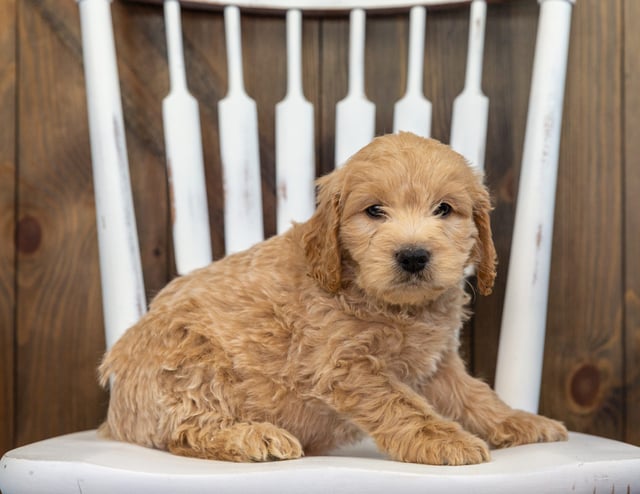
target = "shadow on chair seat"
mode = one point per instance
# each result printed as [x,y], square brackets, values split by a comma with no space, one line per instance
[82,462]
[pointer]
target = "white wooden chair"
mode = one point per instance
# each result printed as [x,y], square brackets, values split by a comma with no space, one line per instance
[81,462]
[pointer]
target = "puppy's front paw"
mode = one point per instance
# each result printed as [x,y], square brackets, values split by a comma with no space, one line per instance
[242,442]
[266,442]
[524,428]
[445,446]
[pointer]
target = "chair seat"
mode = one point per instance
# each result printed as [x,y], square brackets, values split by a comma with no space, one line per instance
[82,462]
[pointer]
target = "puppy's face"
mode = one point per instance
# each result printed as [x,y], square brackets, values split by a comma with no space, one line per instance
[407,223]
[409,215]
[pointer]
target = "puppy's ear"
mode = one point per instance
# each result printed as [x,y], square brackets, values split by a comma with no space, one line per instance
[321,233]
[484,252]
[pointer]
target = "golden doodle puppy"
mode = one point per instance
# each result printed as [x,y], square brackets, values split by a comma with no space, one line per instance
[346,324]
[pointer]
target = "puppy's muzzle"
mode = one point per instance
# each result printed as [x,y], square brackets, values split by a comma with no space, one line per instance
[412,259]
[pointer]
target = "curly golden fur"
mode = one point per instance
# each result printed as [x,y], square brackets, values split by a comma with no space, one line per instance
[346,324]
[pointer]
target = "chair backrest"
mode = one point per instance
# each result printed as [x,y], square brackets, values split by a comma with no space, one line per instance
[524,316]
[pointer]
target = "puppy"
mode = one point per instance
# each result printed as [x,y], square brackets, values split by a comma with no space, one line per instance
[345,325]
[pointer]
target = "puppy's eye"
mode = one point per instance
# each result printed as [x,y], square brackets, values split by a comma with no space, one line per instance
[376,211]
[443,210]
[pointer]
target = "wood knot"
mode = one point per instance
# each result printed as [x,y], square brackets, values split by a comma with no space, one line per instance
[507,188]
[28,235]
[585,386]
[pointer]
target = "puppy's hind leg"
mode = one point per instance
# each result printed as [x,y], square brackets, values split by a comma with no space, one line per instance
[236,441]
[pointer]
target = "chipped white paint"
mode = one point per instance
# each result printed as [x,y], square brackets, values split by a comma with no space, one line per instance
[355,114]
[239,149]
[295,148]
[413,112]
[520,355]
[185,164]
[123,296]
[471,107]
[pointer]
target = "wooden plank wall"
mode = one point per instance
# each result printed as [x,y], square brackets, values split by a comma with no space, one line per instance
[57,283]
[585,358]
[50,313]
[631,174]
[7,219]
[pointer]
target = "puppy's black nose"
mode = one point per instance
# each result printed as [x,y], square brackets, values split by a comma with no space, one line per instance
[412,259]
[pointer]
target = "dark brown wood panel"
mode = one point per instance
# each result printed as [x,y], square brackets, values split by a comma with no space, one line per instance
[583,380]
[333,81]
[7,219]
[59,320]
[386,65]
[632,221]
[142,66]
[264,53]
[445,60]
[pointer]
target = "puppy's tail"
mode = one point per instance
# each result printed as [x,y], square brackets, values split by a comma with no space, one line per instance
[117,358]
[105,370]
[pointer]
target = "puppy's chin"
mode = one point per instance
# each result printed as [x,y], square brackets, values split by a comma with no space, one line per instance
[410,291]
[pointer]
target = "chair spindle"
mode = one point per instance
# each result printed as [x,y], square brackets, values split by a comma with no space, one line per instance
[355,114]
[471,106]
[185,163]
[295,146]
[238,129]
[123,292]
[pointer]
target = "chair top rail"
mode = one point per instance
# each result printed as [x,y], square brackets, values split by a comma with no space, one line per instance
[316,6]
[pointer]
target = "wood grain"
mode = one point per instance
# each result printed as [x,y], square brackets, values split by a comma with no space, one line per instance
[583,379]
[334,42]
[7,219]
[265,61]
[632,222]
[59,328]
[139,33]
